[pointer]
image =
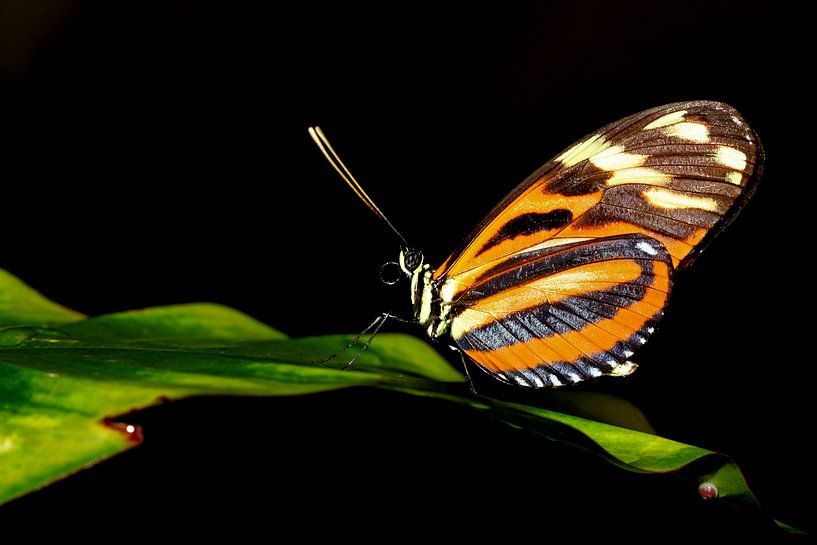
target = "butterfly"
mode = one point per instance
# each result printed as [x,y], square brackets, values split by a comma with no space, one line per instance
[570,273]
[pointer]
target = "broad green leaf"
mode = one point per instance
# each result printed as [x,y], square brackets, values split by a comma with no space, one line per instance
[59,385]
[184,325]
[65,379]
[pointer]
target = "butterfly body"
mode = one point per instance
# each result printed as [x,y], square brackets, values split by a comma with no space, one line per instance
[430,299]
[569,275]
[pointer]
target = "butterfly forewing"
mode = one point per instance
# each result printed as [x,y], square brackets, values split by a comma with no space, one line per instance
[672,172]
[567,276]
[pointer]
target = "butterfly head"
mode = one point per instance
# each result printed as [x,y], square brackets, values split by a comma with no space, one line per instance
[411,261]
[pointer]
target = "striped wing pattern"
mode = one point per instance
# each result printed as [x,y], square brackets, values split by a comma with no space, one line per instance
[566,313]
[672,172]
[568,275]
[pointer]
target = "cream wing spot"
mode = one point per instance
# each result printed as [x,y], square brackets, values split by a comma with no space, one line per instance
[734,177]
[624,369]
[613,158]
[583,150]
[731,158]
[647,176]
[670,200]
[694,132]
[646,248]
[664,120]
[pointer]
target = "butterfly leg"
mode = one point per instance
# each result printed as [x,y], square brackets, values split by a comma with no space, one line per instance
[465,368]
[376,325]
[382,318]
[354,340]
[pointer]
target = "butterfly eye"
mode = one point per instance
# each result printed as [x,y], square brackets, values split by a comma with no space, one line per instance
[413,259]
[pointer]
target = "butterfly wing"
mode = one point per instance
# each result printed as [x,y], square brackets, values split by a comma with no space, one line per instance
[561,314]
[676,173]
[567,276]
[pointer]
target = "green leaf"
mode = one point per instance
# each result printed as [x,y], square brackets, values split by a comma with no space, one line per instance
[65,379]
[602,407]
[61,385]
[182,325]
[21,305]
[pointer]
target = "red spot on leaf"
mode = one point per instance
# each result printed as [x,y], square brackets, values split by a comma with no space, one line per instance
[708,491]
[131,431]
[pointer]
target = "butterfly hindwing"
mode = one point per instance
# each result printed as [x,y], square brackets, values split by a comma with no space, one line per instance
[568,275]
[565,313]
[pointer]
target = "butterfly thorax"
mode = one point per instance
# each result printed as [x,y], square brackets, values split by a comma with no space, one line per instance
[430,310]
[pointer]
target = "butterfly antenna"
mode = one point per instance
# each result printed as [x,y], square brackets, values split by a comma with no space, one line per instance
[334,159]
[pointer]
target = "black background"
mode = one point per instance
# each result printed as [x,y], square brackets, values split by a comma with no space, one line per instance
[156,152]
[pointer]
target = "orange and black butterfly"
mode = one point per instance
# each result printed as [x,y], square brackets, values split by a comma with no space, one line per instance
[569,274]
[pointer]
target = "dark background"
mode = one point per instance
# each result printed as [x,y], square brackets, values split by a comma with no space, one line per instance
[156,152]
